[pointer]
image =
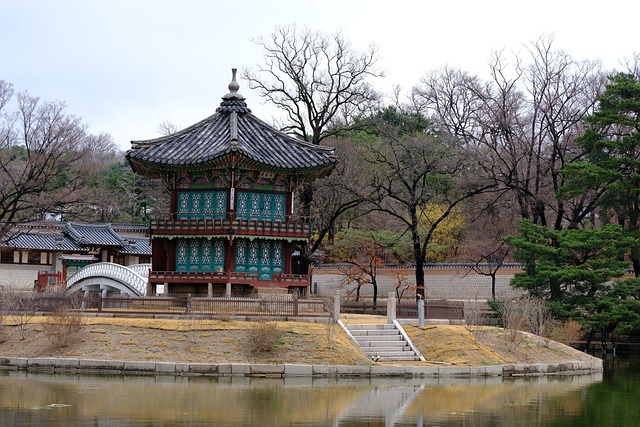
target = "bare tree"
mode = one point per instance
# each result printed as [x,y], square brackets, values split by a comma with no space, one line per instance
[44,158]
[167,127]
[411,171]
[632,64]
[320,81]
[21,307]
[523,122]
[362,253]
[484,246]
[490,260]
[343,195]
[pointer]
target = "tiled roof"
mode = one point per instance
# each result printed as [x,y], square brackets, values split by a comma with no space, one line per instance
[232,130]
[44,242]
[78,238]
[41,225]
[93,234]
[135,228]
[56,225]
[135,246]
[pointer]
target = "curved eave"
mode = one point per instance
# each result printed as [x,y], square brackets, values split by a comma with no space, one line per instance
[235,159]
[148,143]
[230,137]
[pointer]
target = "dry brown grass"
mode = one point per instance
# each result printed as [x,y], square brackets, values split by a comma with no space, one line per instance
[300,342]
[487,346]
[172,340]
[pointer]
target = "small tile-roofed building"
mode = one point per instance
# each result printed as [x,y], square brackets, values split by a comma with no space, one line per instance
[59,249]
[232,181]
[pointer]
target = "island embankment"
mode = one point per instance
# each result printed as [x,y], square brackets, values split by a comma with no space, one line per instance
[301,348]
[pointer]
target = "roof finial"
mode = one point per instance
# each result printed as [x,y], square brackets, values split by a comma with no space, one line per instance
[233,101]
[234,86]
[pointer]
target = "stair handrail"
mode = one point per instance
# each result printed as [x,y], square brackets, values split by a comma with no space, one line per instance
[409,342]
[344,327]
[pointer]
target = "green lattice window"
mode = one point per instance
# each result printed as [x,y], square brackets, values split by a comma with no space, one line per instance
[199,255]
[200,204]
[265,257]
[261,206]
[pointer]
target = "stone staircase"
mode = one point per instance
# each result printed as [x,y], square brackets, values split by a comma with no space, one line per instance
[382,342]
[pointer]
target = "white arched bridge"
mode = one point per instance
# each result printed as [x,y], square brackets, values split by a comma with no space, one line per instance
[107,277]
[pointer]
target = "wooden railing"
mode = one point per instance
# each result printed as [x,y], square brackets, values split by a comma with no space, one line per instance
[48,281]
[275,305]
[234,277]
[212,224]
[434,309]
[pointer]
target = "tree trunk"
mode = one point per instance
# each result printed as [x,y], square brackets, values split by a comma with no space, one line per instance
[417,254]
[375,292]
[635,260]
[493,285]
[555,290]
[420,291]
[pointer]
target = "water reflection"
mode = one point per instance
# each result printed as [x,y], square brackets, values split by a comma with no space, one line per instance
[31,399]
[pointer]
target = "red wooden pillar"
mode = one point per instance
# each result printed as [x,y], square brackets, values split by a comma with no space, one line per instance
[287,257]
[173,201]
[229,256]
[159,255]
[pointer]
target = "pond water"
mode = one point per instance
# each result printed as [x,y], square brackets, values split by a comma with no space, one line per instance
[38,399]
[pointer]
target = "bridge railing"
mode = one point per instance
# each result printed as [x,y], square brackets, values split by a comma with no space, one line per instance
[117,272]
[140,269]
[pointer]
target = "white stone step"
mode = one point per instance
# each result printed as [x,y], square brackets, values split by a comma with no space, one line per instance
[373,339]
[382,342]
[371,326]
[370,350]
[396,358]
[385,333]
[391,356]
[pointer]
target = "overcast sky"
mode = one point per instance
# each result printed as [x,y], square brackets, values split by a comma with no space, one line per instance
[125,66]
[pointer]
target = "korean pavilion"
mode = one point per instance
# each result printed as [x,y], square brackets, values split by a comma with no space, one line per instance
[232,182]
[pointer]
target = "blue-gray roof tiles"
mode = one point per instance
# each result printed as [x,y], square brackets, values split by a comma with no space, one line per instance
[93,234]
[79,238]
[233,130]
[44,242]
[135,246]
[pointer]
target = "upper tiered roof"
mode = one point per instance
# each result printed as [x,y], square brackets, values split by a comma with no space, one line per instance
[235,135]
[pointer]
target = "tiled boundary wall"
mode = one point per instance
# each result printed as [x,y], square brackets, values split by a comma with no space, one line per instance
[442,281]
[113,367]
